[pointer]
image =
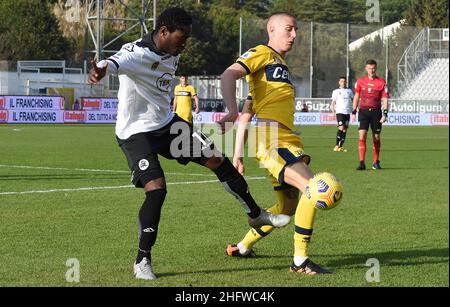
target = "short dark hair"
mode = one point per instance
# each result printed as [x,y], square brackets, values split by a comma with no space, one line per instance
[343,77]
[371,62]
[173,18]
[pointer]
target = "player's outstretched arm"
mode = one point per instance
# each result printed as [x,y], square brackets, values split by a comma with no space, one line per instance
[96,73]
[241,137]
[228,81]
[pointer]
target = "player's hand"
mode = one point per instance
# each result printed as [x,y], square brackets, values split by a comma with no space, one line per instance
[353,117]
[96,73]
[227,122]
[383,119]
[197,111]
[239,165]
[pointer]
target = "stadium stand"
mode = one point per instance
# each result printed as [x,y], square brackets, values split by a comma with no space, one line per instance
[423,71]
[431,82]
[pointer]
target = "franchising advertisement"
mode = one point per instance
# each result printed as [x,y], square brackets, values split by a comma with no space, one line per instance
[316,118]
[35,116]
[33,102]
[72,117]
[4,116]
[104,104]
[101,117]
[50,109]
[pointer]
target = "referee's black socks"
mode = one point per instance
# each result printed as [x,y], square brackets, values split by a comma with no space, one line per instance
[235,184]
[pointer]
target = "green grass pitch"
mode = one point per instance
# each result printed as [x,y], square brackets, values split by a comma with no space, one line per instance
[398,215]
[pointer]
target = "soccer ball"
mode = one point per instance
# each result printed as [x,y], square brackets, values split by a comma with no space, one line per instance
[324,190]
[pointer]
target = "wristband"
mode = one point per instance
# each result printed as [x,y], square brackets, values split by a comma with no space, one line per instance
[354,112]
[385,112]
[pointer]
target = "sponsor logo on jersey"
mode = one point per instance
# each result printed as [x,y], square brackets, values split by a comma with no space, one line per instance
[278,73]
[163,82]
[247,54]
[155,66]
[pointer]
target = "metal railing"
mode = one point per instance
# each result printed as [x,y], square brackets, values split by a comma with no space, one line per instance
[428,44]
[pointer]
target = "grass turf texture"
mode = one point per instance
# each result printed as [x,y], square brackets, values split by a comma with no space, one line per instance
[398,215]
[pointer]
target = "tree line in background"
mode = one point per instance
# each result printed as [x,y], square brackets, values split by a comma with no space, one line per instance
[30,30]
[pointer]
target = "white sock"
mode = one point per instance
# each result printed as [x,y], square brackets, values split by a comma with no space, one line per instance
[242,249]
[298,260]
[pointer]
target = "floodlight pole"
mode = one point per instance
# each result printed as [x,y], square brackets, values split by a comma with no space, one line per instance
[311,68]
[348,59]
[95,23]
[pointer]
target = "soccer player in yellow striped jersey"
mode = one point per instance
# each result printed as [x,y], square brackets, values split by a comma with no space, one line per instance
[273,103]
[182,103]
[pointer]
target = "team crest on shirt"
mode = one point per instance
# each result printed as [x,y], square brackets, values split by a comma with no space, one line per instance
[143,164]
[155,66]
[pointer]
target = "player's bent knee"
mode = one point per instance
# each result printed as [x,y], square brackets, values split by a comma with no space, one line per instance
[213,163]
[156,184]
[324,190]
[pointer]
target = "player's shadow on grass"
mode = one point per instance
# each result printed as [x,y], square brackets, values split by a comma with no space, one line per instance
[342,261]
[394,258]
[414,150]
[407,168]
[59,177]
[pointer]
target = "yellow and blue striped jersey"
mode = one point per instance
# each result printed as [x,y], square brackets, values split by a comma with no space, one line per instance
[270,84]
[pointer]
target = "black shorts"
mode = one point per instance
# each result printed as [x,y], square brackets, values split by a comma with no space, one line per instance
[370,117]
[178,140]
[343,119]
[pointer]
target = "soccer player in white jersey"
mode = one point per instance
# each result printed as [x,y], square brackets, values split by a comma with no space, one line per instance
[146,127]
[341,105]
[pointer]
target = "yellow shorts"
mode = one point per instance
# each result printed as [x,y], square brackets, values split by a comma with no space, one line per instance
[276,149]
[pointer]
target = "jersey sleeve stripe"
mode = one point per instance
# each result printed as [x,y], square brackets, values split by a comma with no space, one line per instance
[245,67]
[114,62]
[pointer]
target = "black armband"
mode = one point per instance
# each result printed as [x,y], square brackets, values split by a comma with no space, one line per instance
[354,112]
[385,112]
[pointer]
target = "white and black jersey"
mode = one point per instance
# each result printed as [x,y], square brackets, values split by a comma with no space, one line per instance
[343,98]
[145,77]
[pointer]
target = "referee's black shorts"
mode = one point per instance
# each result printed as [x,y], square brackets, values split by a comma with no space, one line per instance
[178,140]
[370,117]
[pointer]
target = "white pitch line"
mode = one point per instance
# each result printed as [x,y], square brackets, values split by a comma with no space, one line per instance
[92,170]
[113,187]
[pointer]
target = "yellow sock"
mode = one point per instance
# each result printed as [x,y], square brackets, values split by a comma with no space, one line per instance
[304,220]
[256,234]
